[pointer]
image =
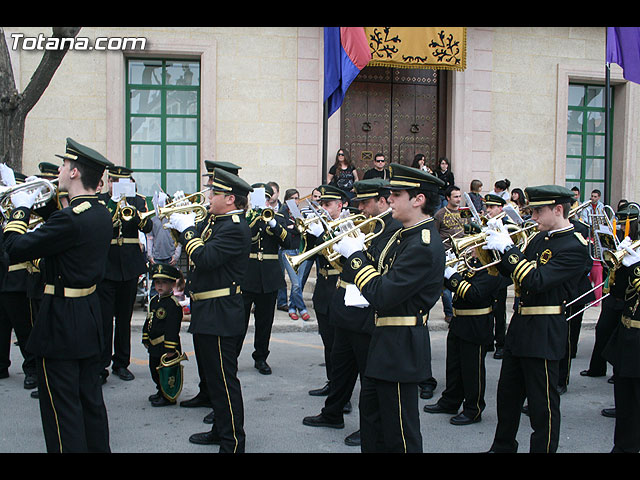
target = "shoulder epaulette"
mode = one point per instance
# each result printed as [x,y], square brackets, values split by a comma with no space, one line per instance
[425,235]
[82,207]
[582,240]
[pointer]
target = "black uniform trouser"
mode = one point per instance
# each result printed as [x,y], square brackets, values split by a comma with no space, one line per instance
[500,317]
[154,363]
[573,334]
[389,417]
[608,320]
[219,357]
[327,333]
[16,314]
[534,379]
[265,310]
[116,300]
[348,360]
[465,376]
[626,437]
[74,417]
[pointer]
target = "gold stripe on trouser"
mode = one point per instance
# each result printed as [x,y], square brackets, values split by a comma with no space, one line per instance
[53,407]
[226,388]
[404,442]
[479,379]
[546,371]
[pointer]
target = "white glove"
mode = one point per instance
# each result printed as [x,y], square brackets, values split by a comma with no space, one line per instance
[498,240]
[272,223]
[6,175]
[25,199]
[624,244]
[181,221]
[315,229]
[349,245]
[631,257]
[449,271]
[116,198]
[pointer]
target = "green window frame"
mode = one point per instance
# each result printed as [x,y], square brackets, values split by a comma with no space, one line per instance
[585,167]
[163,124]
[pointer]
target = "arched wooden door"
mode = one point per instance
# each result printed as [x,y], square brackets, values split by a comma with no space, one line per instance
[396,111]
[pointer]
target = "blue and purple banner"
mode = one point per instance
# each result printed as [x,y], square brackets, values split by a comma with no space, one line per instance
[346,52]
[623,48]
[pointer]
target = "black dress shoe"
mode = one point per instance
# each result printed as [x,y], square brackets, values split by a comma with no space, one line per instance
[426,392]
[162,402]
[612,379]
[608,412]
[103,375]
[353,440]
[199,400]
[562,389]
[210,418]
[30,382]
[347,407]
[123,373]
[322,421]
[35,394]
[283,308]
[525,409]
[499,355]
[436,408]
[4,374]
[320,392]
[263,367]
[587,373]
[205,438]
[155,396]
[462,419]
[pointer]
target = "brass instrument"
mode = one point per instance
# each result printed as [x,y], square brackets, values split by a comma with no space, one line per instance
[613,258]
[360,222]
[48,190]
[265,214]
[464,247]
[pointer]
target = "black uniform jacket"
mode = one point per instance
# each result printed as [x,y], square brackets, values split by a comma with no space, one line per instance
[402,288]
[623,349]
[545,275]
[161,330]
[359,319]
[219,258]
[126,258]
[73,244]
[265,273]
[472,303]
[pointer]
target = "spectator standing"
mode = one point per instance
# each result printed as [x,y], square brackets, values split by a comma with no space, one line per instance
[379,169]
[444,173]
[343,173]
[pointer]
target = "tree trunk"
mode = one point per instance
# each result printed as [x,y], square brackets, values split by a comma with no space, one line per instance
[15,106]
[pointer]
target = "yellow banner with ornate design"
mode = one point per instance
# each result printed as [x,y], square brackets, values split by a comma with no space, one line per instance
[440,48]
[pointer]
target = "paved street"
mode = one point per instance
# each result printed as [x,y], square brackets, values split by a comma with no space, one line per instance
[276,404]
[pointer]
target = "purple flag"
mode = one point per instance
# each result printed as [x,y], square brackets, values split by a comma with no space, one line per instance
[623,48]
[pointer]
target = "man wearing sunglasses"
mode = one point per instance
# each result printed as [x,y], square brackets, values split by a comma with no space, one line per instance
[379,170]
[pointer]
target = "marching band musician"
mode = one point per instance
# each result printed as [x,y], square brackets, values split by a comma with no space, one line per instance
[470,333]
[332,200]
[67,337]
[494,205]
[220,258]
[537,334]
[353,323]
[623,352]
[402,286]
[201,399]
[264,277]
[126,262]
[613,304]
[161,329]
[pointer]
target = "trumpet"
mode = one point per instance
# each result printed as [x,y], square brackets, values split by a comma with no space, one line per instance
[463,247]
[48,190]
[265,214]
[360,223]
[613,258]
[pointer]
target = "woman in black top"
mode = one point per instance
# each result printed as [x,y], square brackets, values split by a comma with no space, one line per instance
[343,174]
[444,173]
